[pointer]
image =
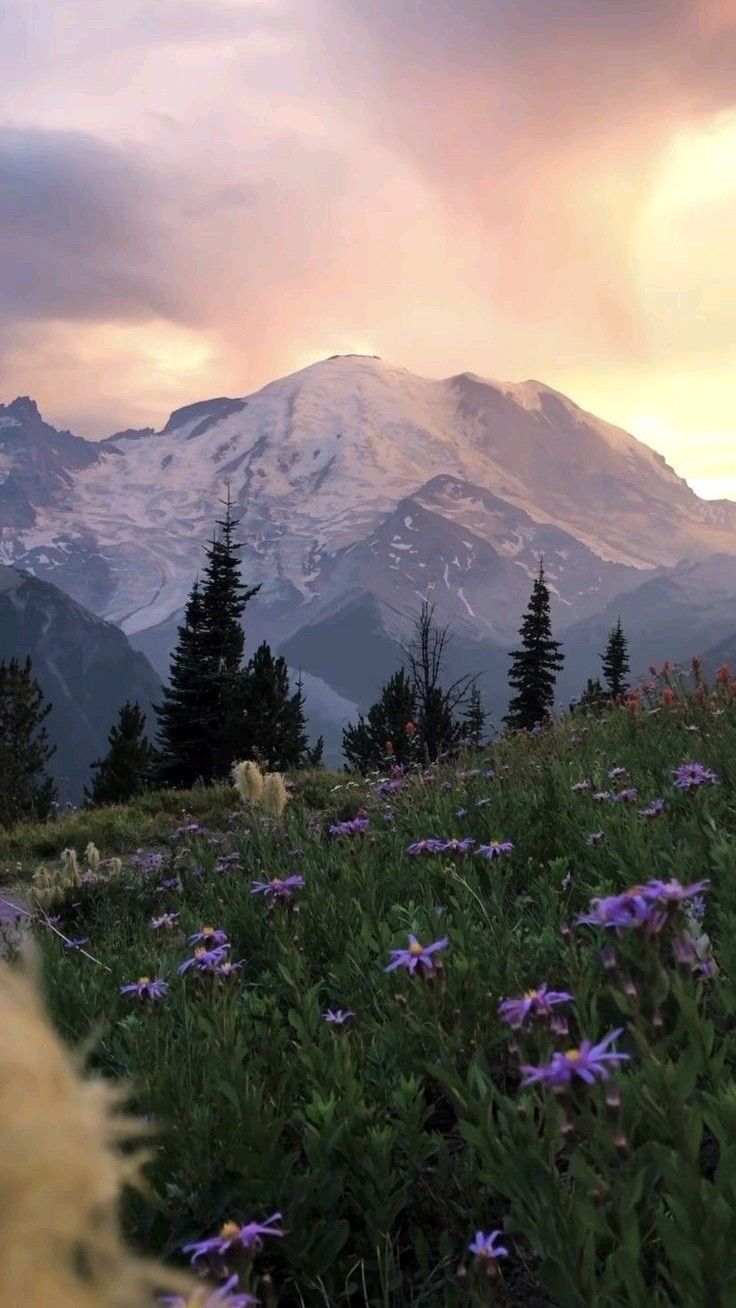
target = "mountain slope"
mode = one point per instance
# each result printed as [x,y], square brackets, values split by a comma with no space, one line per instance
[86,669]
[316,460]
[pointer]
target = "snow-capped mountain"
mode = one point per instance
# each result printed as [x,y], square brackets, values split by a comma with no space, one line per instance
[353,478]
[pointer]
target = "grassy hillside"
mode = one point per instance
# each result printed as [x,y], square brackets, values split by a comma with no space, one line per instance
[386,1142]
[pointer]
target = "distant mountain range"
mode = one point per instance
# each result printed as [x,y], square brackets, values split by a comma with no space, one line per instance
[362,488]
[85,667]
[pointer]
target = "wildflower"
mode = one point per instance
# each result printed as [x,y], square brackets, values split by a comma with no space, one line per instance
[431,845]
[188,829]
[601,796]
[208,936]
[275,795]
[76,942]
[588,1062]
[495,848]
[461,812]
[594,838]
[146,988]
[225,1296]
[629,909]
[166,922]
[228,969]
[150,860]
[579,787]
[278,887]
[689,776]
[673,892]
[653,809]
[687,954]
[205,960]
[416,955]
[455,846]
[337,1016]
[248,1237]
[171,883]
[533,1003]
[616,773]
[628,795]
[481,803]
[489,774]
[351,827]
[486,1248]
[248,781]
[608,958]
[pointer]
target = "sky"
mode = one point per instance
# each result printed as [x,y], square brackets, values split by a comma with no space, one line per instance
[199,196]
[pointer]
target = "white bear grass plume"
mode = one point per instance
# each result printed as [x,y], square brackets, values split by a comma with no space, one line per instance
[267,792]
[62,1172]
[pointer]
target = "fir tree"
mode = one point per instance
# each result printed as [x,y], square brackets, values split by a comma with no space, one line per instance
[615,661]
[474,718]
[273,724]
[535,665]
[183,714]
[125,769]
[26,792]
[592,699]
[382,732]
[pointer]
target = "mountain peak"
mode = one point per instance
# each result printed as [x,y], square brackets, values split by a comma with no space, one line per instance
[23,407]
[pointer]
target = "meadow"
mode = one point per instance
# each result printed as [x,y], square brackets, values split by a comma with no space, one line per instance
[305,1009]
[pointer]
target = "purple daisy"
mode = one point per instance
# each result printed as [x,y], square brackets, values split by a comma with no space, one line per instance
[495,848]
[630,909]
[208,936]
[601,796]
[579,787]
[416,955]
[430,845]
[616,773]
[146,987]
[338,1016]
[233,1235]
[533,1003]
[350,828]
[689,776]
[653,809]
[166,922]
[455,846]
[76,942]
[228,969]
[278,887]
[673,892]
[205,960]
[225,1296]
[628,795]
[486,1247]
[589,1063]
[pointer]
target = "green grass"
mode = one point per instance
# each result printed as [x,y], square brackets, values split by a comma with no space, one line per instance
[387,1143]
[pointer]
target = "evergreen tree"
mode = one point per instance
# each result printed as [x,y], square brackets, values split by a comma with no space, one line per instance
[474,718]
[26,792]
[615,661]
[365,743]
[592,699]
[535,665]
[273,723]
[200,719]
[125,769]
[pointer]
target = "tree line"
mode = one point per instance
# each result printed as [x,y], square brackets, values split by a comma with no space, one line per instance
[219,707]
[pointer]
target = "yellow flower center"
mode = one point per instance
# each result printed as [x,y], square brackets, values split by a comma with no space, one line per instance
[229,1230]
[199,951]
[208,931]
[143,980]
[573,1055]
[415,948]
[531,994]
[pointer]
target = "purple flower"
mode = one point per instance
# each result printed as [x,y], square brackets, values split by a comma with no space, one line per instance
[337,1016]
[416,955]
[687,954]
[205,960]
[616,773]
[146,988]
[533,1003]
[455,846]
[689,776]
[171,883]
[485,1247]
[495,848]
[653,809]
[278,887]
[389,786]
[248,1237]
[350,828]
[225,1296]
[594,838]
[148,859]
[629,909]
[627,796]
[601,796]
[673,892]
[76,942]
[588,1062]
[579,787]
[228,969]
[166,922]
[431,845]
[461,812]
[209,936]
[188,829]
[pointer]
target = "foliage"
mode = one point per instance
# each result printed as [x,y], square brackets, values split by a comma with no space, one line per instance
[25,789]
[615,662]
[125,769]
[388,1141]
[387,730]
[273,728]
[440,709]
[535,665]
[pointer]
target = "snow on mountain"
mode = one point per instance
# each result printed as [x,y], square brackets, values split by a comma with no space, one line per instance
[317,464]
